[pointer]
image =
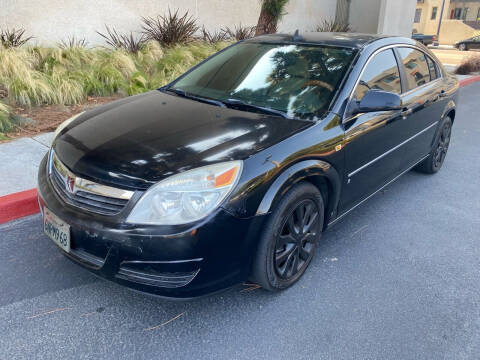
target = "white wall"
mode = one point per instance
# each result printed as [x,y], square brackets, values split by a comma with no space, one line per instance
[364,15]
[306,15]
[53,20]
[391,17]
[396,17]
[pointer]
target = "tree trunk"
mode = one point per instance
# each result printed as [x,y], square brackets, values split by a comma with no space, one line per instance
[266,24]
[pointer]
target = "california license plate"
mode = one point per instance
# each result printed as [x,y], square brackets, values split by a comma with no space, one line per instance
[56,229]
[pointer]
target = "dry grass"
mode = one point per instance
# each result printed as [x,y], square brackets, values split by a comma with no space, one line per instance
[67,76]
[468,66]
[5,123]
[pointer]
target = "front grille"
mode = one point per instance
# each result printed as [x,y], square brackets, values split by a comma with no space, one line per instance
[78,196]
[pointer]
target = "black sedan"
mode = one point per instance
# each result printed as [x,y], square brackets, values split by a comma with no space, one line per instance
[467,44]
[233,171]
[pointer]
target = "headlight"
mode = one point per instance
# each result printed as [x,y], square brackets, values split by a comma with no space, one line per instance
[64,124]
[188,196]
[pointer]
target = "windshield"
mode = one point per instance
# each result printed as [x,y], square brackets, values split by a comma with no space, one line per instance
[298,80]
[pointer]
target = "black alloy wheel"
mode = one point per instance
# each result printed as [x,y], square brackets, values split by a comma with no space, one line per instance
[289,238]
[442,146]
[435,160]
[296,241]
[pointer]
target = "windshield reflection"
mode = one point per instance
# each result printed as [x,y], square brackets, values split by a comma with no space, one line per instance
[298,80]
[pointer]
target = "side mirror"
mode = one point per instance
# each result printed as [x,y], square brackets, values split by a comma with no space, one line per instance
[377,100]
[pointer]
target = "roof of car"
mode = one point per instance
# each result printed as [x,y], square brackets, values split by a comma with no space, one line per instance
[352,40]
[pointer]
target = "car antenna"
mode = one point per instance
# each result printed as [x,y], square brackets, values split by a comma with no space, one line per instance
[296,36]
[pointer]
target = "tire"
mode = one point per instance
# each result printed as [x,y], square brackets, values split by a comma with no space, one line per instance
[435,160]
[285,249]
[462,47]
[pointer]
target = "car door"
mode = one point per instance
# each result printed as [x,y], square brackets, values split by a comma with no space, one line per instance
[371,138]
[422,100]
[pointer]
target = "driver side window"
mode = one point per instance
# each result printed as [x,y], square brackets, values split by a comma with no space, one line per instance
[381,73]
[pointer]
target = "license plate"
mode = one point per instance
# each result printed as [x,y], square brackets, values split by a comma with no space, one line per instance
[56,229]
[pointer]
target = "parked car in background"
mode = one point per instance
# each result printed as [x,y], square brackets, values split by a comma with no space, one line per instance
[233,170]
[425,39]
[470,43]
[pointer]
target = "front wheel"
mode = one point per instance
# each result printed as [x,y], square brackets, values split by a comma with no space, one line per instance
[289,239]
[462,47]
[435,160]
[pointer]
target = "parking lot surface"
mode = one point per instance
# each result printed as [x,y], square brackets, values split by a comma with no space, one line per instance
[398,278]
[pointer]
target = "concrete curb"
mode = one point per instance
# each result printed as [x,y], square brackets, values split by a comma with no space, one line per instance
[21,204]
[18,205]
[470,80]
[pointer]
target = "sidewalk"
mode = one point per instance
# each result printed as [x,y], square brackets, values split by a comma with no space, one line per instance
[19,160]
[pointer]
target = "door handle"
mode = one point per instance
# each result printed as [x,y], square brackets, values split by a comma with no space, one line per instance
[406,111]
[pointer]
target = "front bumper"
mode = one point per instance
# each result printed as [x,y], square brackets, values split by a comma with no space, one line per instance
[179,262]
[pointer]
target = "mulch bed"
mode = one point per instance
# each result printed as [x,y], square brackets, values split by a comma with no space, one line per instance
[40,119]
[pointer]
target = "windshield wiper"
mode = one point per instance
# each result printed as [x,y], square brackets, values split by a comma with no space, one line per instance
[184,94]
[243,104]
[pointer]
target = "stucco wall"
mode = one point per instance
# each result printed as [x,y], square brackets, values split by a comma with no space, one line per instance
[396,17]
[364,15]
[53,20]
[391,17]
[305,15]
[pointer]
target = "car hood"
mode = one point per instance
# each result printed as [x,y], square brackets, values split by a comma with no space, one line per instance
[140,140]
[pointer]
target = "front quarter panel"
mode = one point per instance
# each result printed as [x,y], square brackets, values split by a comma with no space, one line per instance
[315,151]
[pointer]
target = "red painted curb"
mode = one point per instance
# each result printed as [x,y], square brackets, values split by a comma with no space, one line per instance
[21,204]
[468,81]
[18,205]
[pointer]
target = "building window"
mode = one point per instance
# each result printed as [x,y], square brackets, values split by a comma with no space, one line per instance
[418,15]
[465,13]
[457,15]
[434,13]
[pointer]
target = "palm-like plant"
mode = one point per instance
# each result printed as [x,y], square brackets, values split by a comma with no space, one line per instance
[129,42]
[13,38]
[170,29]
[272,11]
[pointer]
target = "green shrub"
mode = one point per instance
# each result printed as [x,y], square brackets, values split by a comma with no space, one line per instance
[333,26]
[469,66]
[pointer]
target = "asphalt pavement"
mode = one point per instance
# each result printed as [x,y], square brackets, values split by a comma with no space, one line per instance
[398,278]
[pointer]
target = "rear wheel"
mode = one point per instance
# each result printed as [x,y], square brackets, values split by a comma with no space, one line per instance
[289,239]
[435,160]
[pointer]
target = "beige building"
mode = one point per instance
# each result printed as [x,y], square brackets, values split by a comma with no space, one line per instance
[460,19]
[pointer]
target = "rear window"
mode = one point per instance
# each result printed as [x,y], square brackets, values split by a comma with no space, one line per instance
[416,67]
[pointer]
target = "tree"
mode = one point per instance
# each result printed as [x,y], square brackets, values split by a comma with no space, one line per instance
[272,11]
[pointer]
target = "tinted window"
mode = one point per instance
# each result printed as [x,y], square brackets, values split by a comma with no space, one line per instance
[381,73]
[416,67]
[433,69]
[300,80]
